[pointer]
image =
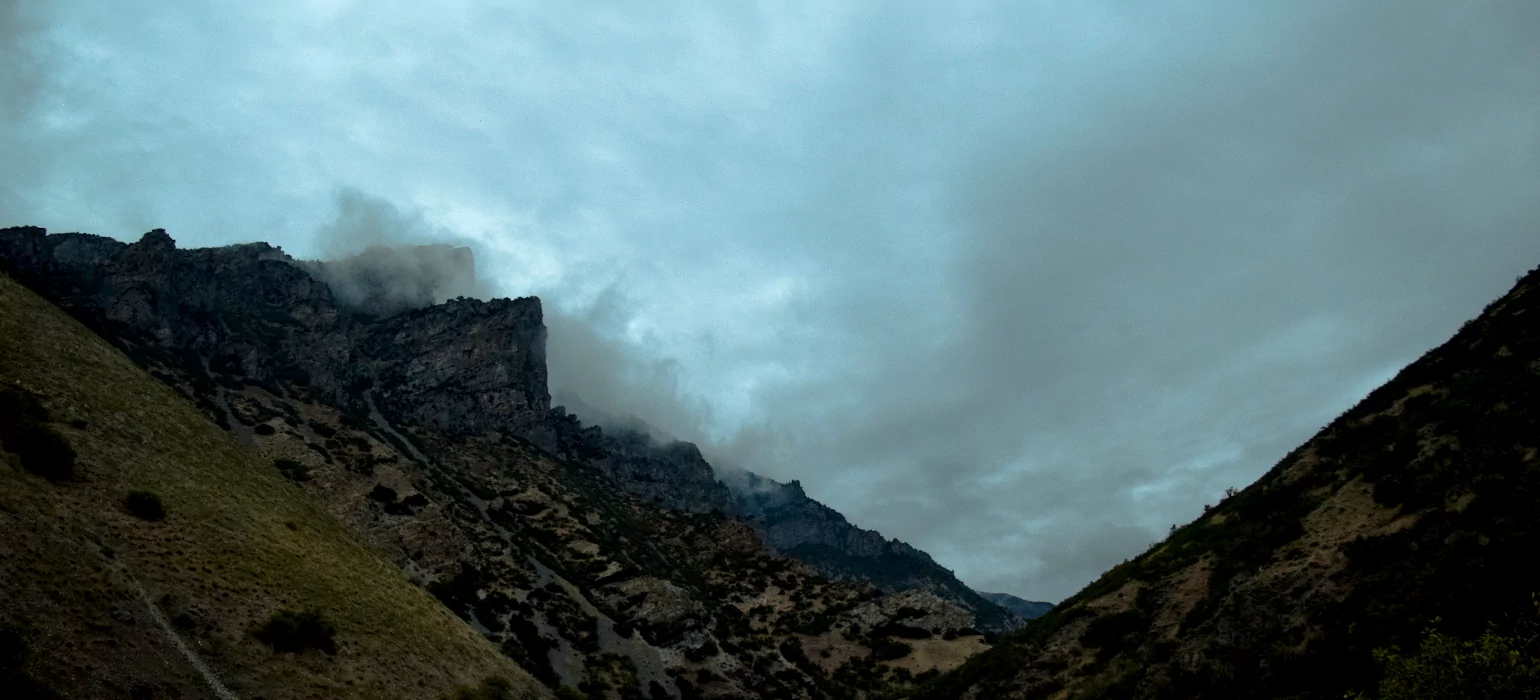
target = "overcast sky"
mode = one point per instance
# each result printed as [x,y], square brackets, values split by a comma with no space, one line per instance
[1021,283]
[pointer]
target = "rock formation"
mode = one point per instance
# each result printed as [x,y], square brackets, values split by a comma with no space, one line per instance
[590,557]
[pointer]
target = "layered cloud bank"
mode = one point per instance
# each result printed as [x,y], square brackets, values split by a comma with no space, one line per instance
[1019,285]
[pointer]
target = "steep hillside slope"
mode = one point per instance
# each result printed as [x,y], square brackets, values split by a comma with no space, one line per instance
[601,562]
[334,329]
[800,527]
[161,605]
[1417,508]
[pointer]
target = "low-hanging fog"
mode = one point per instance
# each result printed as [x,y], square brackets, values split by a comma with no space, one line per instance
[1020,283]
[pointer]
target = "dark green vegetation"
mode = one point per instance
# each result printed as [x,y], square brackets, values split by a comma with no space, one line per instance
[26,433]
[1416,508]
[15,653]
[144,506]
[1491,667]
[293,632]
[292,470]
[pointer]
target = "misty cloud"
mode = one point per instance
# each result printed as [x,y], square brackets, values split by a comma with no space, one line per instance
[1021,284]
[378,260]
[609,380]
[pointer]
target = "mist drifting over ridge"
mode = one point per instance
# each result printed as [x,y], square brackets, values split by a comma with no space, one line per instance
[1020,285]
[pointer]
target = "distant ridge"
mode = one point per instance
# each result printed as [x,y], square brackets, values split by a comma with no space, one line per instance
[1022,608]
[801,527]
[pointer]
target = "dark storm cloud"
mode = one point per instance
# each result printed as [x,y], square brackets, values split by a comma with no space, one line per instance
[1022,284]
[1176,266]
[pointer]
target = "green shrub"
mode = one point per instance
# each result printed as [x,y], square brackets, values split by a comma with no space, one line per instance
[1493,667]
[25,432]
[888,650]
[289,631]
[702,652]
[144,506]
[292,470]
[14,679]
[1114,633]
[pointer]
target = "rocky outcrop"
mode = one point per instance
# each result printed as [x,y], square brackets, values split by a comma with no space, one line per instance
[251,314]
[801,527]
[462,366]
[586,555]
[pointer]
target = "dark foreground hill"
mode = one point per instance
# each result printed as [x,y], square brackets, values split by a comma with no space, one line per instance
[143,550]
[1416,510]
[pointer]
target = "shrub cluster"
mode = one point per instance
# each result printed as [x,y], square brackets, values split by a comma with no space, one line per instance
[387,498]
[14,679]
[25,432]
[289,631]
[888,650]
[1115,632]
[144,506]
[292,470]
[1492,667]
[702,652]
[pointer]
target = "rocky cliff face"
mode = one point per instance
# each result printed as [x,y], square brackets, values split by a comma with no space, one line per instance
[601,560]
[463,366]
[250,314]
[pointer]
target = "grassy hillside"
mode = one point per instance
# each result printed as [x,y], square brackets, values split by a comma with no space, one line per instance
[1417,510]
[86,585]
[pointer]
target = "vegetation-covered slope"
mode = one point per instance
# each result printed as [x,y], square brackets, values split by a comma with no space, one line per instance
[1417,509]
[113,599]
